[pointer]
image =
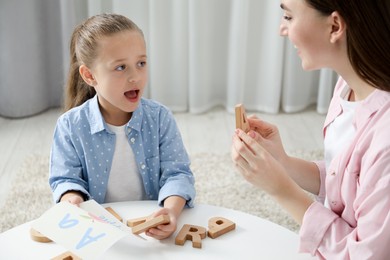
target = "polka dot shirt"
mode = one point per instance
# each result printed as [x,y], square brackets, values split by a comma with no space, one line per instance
[83,149]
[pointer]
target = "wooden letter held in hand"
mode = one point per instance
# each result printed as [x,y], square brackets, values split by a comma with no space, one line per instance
[241,120]
[191,232]
[116,215]
[154,222]
[219,226]
[136,221]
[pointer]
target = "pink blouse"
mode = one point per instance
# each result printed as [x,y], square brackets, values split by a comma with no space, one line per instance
[357,186]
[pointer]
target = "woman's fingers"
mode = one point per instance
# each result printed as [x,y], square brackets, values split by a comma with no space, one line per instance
[265,129]
[250,142]
[246,152]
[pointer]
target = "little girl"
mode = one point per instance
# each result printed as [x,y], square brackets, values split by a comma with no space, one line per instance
[111,144]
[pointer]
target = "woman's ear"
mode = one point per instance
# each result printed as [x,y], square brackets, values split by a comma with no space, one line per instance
[338,27]
[87,75]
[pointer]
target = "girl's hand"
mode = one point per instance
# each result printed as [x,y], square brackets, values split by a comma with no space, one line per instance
[73,197]
[166,230]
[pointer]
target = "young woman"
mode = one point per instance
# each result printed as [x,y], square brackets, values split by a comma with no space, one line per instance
[351,219]
[111,144]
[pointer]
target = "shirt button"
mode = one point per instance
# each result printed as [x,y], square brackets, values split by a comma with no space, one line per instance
[143,166]
[132,140]
[333,174]
[334,203]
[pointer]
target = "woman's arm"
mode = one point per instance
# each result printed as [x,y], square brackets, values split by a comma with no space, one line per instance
[305,173]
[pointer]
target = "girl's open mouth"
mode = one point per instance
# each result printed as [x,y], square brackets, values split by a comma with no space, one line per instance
[132,94]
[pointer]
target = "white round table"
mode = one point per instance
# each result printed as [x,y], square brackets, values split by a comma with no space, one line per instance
[253,238]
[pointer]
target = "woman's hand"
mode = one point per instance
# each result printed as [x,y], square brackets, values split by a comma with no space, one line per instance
[260,168]
[304,173]
[268,137]
[256,164]
[165,230]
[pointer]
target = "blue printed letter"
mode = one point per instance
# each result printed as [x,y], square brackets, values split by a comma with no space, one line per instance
[88,239]
[68,223]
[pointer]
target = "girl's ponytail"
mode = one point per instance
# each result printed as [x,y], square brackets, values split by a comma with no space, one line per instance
[76,90]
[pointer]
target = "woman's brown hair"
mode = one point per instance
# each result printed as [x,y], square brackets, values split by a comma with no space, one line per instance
[368,36]
[83,50]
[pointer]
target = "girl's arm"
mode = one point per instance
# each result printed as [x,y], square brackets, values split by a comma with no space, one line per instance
[65,169]
[176,177]
[173,206]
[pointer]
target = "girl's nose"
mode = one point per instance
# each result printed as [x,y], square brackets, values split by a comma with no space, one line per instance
[132,80]
[133,76]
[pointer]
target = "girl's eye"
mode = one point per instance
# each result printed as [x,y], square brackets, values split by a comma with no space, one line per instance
[142,64]
[287,18]
[120,68]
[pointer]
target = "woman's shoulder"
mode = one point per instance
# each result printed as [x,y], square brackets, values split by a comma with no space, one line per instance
[378,125]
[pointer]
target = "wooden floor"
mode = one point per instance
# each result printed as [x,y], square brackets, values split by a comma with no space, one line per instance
[210,132]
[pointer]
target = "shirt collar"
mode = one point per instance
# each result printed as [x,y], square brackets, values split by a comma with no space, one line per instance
[136,118]
[370,105]
[95,116]
[98,124]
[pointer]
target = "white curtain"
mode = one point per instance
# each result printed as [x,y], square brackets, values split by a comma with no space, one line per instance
[207,53]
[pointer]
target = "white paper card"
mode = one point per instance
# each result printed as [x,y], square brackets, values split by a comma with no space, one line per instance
[88,231]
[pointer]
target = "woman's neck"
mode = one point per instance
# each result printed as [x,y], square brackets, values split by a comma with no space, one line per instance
[360,88]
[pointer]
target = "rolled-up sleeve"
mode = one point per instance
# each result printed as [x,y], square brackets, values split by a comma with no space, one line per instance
[65,166]
[176,175]
[360,229]
[322,193]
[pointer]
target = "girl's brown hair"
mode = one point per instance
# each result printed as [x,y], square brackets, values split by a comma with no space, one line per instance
[83,50]
[368,36]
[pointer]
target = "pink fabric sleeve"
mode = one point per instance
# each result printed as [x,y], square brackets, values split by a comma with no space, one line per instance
[322,193]
[316,221]
[361,233]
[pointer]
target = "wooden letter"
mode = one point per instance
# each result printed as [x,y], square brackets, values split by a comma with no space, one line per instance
[219,226]
[136,221]
[154,222]
[116,215]
[37,236]
[66,256]
[191,232]
[241,120]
